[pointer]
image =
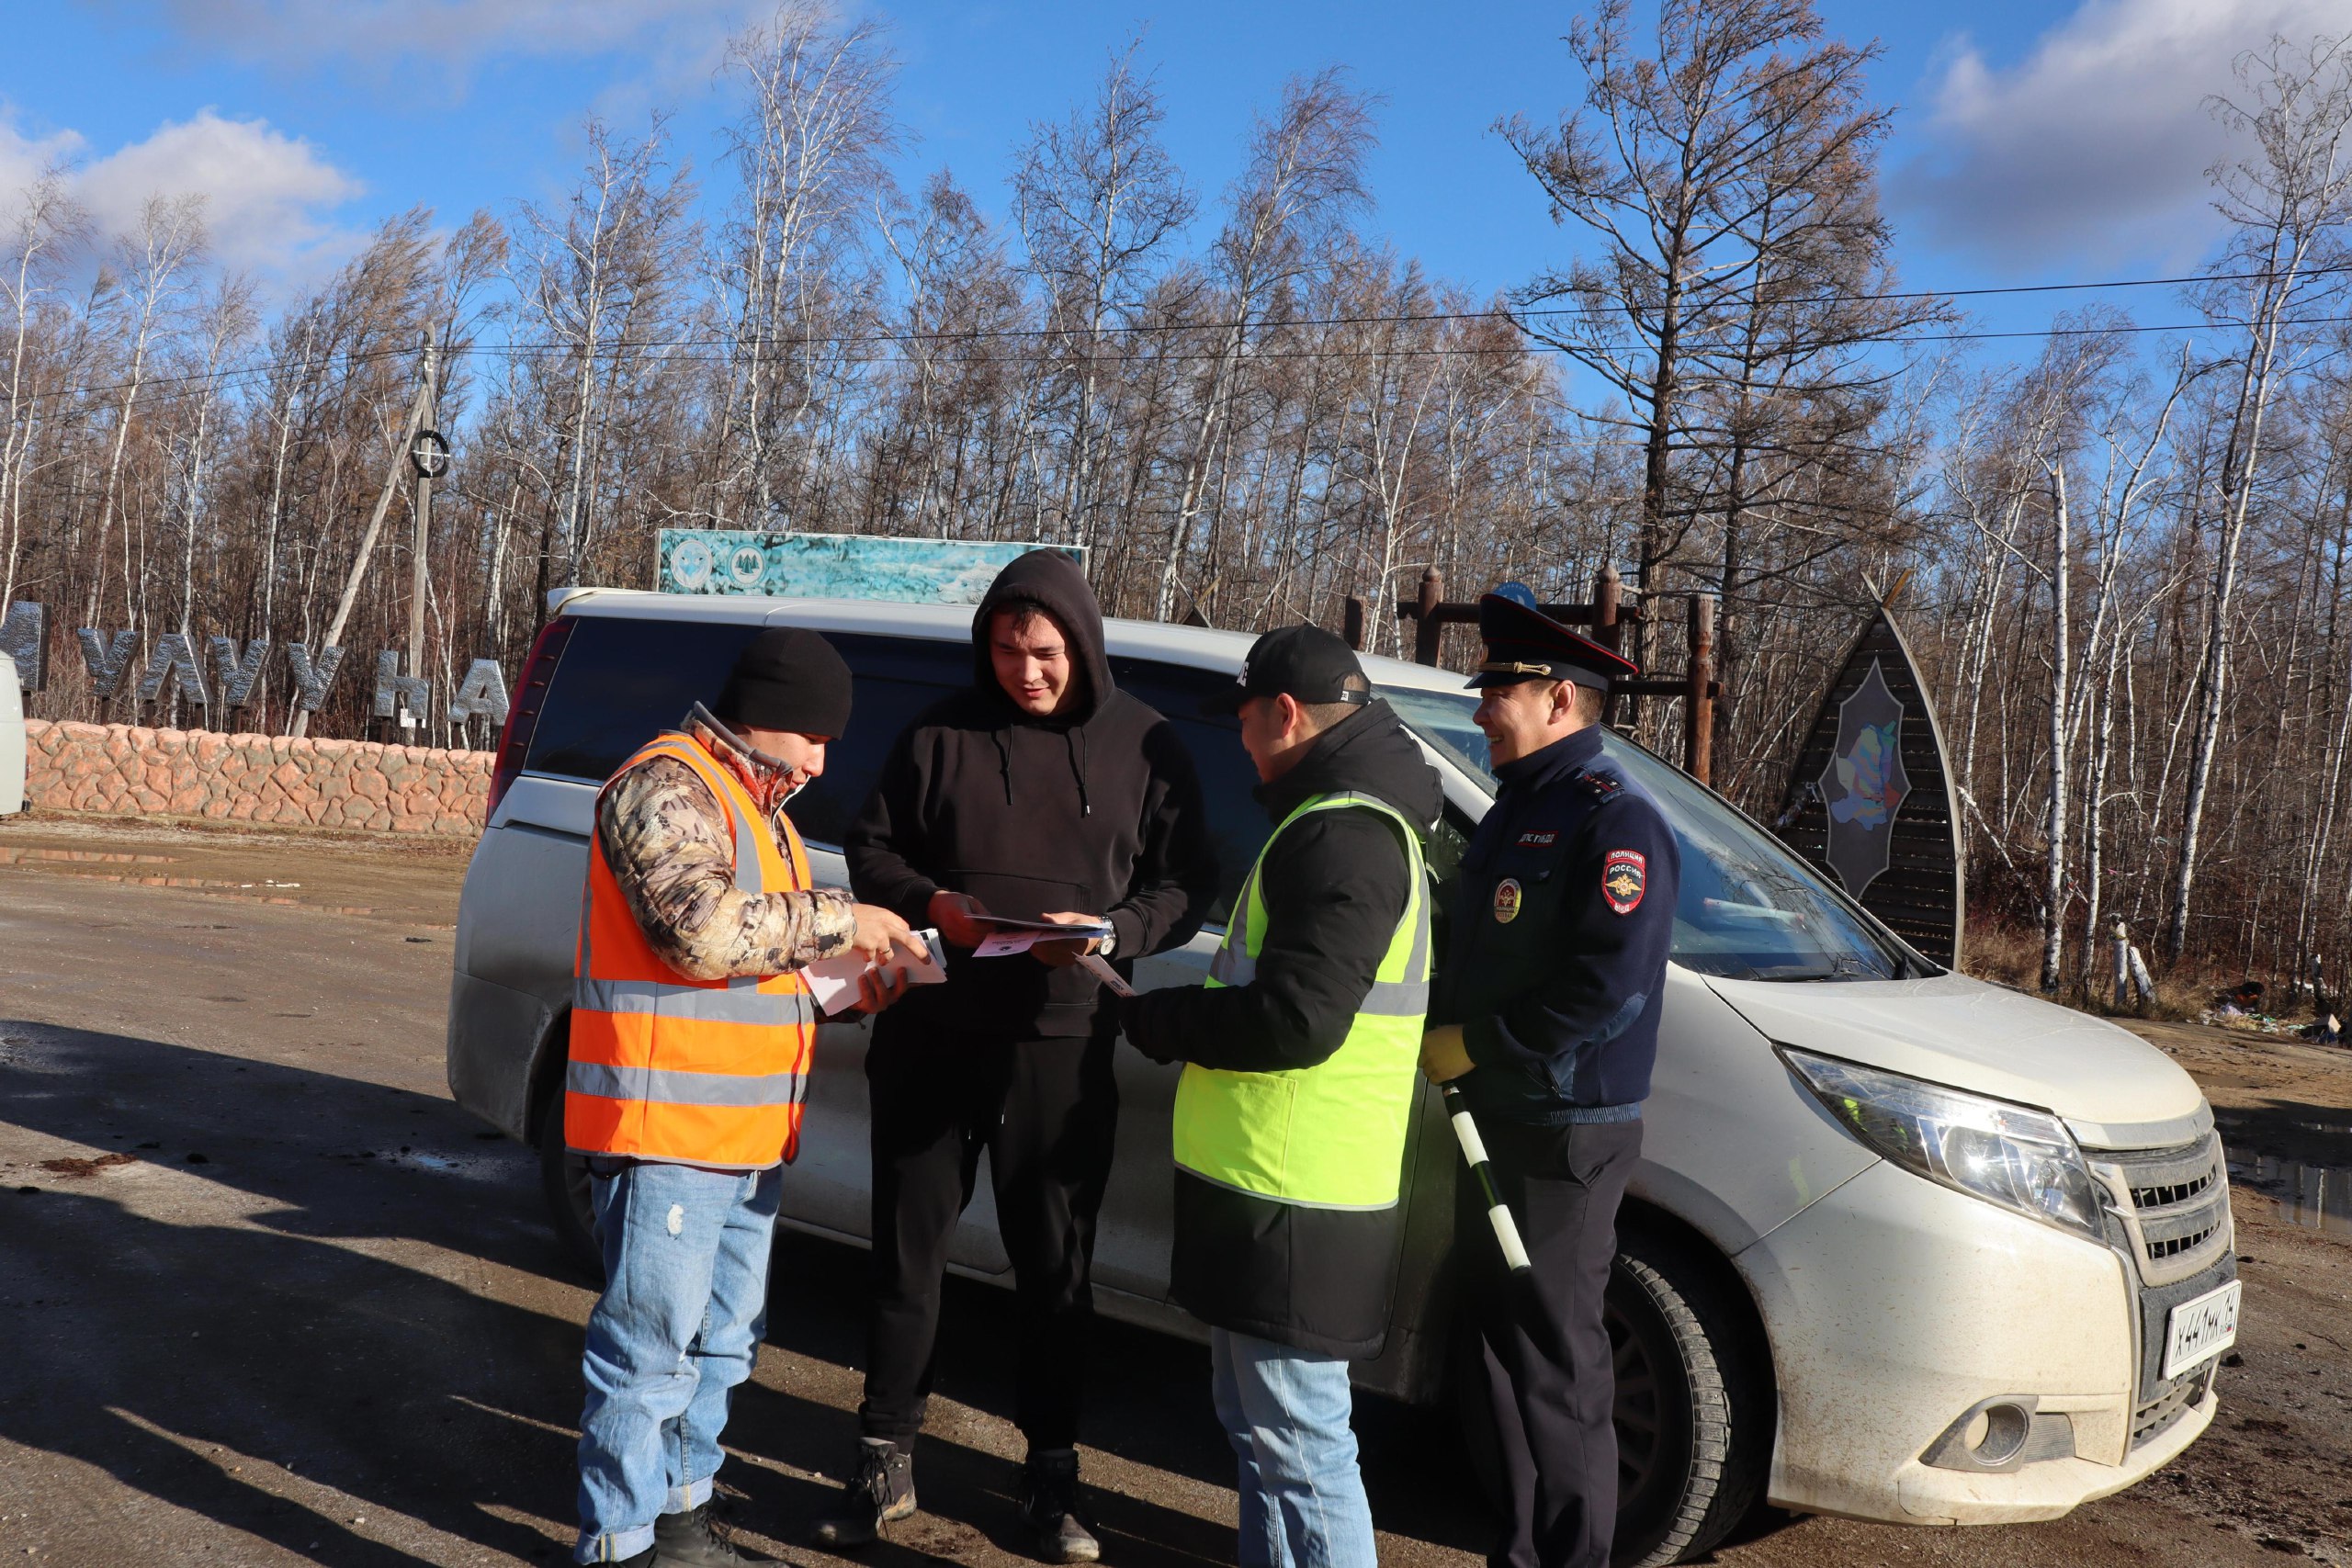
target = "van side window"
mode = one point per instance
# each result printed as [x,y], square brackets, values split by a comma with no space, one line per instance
[623,681]
[897,677]
[1237,824]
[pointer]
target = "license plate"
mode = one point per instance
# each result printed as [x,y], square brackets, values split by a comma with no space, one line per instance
[2199,1330]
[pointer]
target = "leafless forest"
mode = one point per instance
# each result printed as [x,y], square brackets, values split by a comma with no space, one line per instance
[2121,552]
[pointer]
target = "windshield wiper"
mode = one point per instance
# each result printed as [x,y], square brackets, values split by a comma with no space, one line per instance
[1845,967]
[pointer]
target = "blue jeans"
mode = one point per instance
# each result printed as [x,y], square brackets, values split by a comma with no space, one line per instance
[683,1308]
[1285,1413]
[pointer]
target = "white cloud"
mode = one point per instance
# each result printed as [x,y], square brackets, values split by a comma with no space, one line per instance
[268,197]
[2093,149]
[457,33]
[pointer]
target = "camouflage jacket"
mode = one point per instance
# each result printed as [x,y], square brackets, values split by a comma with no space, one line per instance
[671,847]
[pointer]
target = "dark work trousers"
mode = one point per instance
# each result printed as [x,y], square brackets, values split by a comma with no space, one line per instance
[1552,1406]
[1046,1111]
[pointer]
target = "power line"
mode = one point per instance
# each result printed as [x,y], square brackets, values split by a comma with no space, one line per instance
[1511,317]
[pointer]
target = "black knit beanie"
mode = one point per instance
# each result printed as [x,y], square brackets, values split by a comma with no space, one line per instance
[788,679]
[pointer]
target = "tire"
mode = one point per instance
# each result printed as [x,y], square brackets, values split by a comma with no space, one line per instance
[1695,1406]
[563,1182]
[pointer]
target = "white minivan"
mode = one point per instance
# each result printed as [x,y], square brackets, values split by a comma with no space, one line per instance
[1901,1245]
[13,751]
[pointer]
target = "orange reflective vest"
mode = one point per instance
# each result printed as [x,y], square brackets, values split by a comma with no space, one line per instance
[691,1072]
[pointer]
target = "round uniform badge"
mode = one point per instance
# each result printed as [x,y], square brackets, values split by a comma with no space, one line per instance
[1506,900]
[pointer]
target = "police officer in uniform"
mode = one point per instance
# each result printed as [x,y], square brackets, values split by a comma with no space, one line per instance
[1548,1012]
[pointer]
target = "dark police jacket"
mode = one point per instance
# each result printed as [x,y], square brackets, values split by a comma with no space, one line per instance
[1563,915]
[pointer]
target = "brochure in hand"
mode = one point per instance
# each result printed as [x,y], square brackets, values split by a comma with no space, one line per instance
[1007,936]
[1095,963]
[833,981]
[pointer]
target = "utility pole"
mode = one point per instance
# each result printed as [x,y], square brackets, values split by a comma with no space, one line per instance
[429,456]
[402,449]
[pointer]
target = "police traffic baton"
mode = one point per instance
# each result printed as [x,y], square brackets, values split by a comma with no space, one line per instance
[1473,1150]
[1534,1321]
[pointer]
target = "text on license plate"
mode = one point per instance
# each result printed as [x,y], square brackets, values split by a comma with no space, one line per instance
[2198,1329]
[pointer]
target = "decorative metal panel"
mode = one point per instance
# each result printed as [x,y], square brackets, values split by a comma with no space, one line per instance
[1872,800]
[837,566]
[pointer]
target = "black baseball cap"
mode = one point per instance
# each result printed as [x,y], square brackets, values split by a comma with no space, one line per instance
[1309,663]
[1524,643]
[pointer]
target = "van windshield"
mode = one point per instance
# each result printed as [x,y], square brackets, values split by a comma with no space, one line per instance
[1749,909]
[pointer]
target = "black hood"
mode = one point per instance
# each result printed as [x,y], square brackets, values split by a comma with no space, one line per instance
[1053,582]
[1370,753]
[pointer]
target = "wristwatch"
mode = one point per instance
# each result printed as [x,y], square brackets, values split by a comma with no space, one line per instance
[1110,940]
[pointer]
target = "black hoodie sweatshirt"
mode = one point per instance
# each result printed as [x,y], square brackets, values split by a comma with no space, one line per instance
[1096,810]
[1335,885]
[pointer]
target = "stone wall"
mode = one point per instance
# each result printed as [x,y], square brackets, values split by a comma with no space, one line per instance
[119,770]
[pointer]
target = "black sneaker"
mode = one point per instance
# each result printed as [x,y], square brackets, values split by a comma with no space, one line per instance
[1050,1507]
[685,1541]
[882,1492]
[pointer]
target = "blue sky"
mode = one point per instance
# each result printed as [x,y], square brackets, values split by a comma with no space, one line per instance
[2037,142]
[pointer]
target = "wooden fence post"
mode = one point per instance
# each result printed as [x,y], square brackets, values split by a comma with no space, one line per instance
[1699,718]
[1429,632]
[1607,589]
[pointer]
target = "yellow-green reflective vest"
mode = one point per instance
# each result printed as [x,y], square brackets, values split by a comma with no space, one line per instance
[1332,1135]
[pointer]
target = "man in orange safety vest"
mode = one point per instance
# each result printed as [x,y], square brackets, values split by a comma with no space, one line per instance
[691,1030]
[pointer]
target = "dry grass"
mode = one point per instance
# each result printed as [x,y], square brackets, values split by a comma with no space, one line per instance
[2010,955]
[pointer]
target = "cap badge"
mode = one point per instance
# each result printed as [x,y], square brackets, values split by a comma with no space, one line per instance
[1506,900]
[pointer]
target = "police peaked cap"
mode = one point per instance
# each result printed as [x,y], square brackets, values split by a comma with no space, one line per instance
[1524,643]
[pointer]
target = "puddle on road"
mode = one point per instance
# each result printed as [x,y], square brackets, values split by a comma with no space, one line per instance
[497,1166]
[17,856]
[265,891]
[2318,1197]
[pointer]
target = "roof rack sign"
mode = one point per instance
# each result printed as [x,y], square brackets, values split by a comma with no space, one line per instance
[837,566]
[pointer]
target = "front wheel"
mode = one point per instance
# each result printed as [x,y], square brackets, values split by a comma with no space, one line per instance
[563,1182]
[1695,1407]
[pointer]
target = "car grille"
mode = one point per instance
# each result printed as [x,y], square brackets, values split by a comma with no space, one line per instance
[2177,1222]
[2168,1211]
[2178,1192]
[2178,1398]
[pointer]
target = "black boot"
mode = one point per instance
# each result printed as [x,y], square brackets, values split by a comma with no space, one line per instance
[683,1540]
[1050,1507]
[882,1490]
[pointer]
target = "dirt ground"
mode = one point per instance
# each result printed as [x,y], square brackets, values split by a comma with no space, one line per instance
[266,1296]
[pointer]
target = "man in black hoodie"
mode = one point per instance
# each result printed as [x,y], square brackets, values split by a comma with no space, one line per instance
[1290,1120]
[1043,792]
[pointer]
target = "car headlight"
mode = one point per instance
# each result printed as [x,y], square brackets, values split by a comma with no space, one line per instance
[2010,1154]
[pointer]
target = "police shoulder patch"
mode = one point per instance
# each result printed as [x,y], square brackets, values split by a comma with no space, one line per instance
[1624,878]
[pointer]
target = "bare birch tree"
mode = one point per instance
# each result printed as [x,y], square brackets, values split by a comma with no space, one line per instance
[1097,199]
[2291,203]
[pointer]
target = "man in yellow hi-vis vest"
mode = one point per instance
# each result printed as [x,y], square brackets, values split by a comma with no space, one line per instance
[690,1042]
[1299,1080]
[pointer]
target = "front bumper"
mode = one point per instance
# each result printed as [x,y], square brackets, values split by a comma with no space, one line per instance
[1894,1305]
